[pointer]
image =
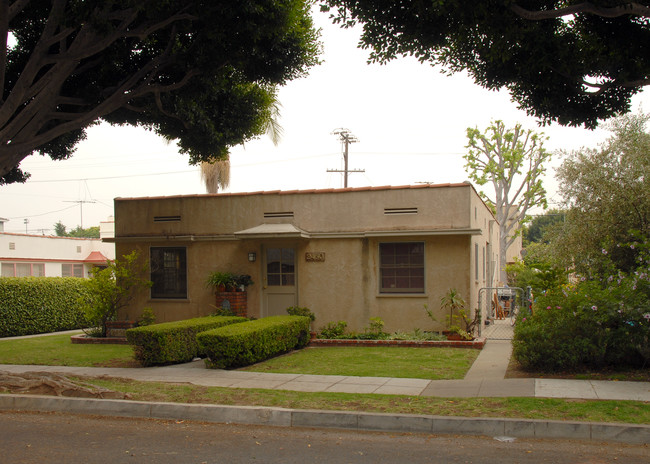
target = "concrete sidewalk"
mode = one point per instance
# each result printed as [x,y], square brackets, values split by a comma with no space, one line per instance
[484,379]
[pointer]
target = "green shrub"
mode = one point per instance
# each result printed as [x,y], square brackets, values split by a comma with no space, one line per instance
[173,342]
[33,305]
[301,311]
[253,341]
[112,288]
[591,325]
[333,330]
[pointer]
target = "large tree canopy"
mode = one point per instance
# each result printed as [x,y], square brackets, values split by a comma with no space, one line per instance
[606,192]
[512,160]
[202,72]
[568,61]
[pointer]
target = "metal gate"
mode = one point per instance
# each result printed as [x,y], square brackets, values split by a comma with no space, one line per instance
[499,307]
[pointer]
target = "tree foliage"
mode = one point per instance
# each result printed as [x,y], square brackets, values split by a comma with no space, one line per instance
[90,232]
[113,288]
[535,230]
[512,160]
[201,72]
[607,195]
[573,61]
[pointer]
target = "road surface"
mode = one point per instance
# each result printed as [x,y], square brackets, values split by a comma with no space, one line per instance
[49,438]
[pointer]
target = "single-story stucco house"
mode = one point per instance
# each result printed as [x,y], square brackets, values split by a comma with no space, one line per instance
[347,254]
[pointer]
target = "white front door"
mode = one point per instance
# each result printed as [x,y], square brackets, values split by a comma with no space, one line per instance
[280,280]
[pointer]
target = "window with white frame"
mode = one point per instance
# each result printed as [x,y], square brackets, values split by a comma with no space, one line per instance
[401,267]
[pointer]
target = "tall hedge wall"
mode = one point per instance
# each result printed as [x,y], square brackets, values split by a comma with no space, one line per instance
[33,305]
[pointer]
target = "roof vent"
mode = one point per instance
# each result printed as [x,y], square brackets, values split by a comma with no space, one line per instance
[166,219]
[397,211]
[278,214]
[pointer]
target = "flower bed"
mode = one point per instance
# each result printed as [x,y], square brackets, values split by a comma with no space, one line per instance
[478,343]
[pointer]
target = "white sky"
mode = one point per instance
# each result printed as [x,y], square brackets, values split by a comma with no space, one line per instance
[409,118]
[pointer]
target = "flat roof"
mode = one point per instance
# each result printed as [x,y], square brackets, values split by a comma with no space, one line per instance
[303,192]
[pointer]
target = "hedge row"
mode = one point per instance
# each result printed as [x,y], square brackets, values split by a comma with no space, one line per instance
[33,305]
[173,342]
[253,341]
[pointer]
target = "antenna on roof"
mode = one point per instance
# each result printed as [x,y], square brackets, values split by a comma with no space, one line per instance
[346,137]
[81,207]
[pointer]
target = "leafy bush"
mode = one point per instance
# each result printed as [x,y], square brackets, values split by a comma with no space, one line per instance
[33,305]
[253,341]
[173,342]
[301,311]
[594,324]
[374,331]
[112,288]
[417,334]
[333,330]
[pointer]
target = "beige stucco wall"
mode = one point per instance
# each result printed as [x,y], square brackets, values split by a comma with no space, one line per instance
[347,226]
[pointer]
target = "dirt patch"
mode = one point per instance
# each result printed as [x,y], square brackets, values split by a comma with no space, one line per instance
[48,383]
[515,371]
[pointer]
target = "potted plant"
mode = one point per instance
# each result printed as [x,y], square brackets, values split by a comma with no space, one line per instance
[242,281]
[221,281]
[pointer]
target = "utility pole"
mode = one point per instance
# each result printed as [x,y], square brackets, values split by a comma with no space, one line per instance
[346,138]
[81,207]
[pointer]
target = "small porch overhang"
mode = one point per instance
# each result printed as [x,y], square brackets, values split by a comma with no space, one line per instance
[96,257]
[272,231]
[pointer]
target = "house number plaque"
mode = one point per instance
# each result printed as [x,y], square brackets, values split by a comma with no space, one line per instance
[315,256]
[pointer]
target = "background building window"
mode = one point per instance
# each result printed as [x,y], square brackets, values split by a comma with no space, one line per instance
[401,267]
[168,272]
[72,270]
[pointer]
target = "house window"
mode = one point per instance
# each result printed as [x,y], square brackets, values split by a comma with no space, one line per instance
[401,268]
[168,272]
[476,260]
[8,270]
[483,263]
[281,267]
[72,270]
[23,269]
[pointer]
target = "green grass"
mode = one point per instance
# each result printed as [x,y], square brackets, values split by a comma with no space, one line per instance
[631,412]
[414,363]
[57,350]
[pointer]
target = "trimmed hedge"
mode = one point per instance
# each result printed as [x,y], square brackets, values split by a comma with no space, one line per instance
[33,305]
[254,341]
[173,342]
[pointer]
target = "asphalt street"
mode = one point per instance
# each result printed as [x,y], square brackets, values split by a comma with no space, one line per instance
[53,438]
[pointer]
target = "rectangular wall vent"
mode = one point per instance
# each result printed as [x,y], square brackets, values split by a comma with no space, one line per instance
[393,211]
[278,214]
[166,219]
[12,245]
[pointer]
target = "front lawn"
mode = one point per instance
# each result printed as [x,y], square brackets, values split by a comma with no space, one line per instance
[414,363]
[57,350]
[632,412]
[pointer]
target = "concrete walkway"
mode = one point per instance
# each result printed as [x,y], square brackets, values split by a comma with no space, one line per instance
[484,379]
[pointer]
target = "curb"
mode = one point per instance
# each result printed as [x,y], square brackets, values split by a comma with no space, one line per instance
[279,417]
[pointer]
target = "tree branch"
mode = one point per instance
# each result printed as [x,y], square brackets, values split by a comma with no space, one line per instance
[632,8]
[15,8]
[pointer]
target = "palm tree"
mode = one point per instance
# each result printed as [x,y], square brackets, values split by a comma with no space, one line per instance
[216,175]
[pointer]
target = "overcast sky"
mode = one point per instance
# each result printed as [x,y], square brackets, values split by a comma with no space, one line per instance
[409,118]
